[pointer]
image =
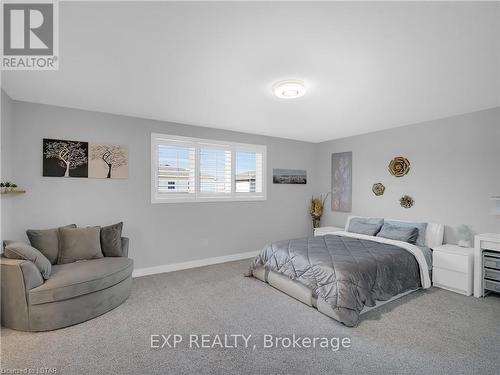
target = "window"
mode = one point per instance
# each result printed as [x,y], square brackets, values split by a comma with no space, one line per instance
[215,170]
[200,170]
[176,168]
[248,176]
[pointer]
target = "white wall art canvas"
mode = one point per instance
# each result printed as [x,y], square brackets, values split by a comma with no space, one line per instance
[342,182]
[108,161]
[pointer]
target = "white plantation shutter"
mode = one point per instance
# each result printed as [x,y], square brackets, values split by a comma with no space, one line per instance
[176,168]
[259,175]
[199,170]
[215,170]
[249,172]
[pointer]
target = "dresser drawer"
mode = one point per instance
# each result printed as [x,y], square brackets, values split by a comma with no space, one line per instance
[492,285]
[492,274]
[452,262]
[455,281]
[492,262]
[488,245]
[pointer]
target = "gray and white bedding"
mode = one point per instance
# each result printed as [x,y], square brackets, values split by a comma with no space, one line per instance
[348,270]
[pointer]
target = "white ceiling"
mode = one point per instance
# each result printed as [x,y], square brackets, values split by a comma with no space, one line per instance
[367,66]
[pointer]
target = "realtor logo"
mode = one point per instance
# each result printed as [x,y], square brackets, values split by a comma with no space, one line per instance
[30,36]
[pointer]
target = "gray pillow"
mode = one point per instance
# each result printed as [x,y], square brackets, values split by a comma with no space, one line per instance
[111,240]
[368,226]
[46,241]
[399,233]
[21,250]
[79,244]
[422,229]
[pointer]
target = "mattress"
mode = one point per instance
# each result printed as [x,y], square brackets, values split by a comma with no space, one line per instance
[345,274]
[303,294]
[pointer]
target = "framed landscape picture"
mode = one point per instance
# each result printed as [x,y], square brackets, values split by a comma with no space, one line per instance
[289,176]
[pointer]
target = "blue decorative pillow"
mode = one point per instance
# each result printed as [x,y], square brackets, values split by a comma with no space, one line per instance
[399,233]
[422,228]
[368,226]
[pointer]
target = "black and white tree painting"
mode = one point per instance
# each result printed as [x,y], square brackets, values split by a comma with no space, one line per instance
[63,158]
[108,161]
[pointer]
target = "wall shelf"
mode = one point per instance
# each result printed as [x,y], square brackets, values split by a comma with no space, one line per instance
[16,192]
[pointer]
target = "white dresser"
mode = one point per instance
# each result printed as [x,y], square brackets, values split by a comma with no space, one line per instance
[488,242]
[453,268]
[321,231]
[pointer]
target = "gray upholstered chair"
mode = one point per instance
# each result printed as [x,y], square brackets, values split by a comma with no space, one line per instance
[75,292]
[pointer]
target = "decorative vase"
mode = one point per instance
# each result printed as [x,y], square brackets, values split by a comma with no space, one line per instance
[316,222]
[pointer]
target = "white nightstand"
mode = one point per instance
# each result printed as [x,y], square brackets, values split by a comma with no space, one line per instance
[453,268]
[321,231]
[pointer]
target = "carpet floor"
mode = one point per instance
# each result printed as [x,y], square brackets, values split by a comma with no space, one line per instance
[426,332]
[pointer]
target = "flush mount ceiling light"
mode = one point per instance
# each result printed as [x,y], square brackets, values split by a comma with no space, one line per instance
[289,89]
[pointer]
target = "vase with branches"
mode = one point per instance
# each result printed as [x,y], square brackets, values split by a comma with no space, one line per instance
[316,209]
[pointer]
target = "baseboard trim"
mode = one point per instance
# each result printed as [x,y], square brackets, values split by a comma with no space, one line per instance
[192,264]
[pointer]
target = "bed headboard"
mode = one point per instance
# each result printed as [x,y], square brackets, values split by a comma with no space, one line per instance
[433,235]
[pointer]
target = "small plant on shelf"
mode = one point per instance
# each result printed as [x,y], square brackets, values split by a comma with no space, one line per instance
[9,187]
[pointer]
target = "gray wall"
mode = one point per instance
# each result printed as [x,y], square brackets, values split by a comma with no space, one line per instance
[160,233]
[7,136]
[6,139]
[455,169]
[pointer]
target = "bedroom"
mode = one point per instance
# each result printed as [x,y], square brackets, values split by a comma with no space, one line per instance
[208,151]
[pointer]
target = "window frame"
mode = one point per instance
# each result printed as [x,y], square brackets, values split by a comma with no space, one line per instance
[155,142]
[160,138]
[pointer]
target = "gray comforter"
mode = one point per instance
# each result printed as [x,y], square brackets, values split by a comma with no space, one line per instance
[348,273]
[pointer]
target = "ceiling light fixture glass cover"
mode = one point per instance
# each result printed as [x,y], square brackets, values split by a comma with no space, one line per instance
[289,89]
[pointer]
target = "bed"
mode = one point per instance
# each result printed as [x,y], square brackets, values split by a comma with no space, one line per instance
[345,274]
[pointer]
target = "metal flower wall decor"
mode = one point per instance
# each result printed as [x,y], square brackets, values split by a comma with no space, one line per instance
[406,201]
[399,166]
[378,189]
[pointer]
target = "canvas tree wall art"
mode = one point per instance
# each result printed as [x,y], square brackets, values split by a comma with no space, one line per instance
[62,158]
[342,182]
[108,161]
